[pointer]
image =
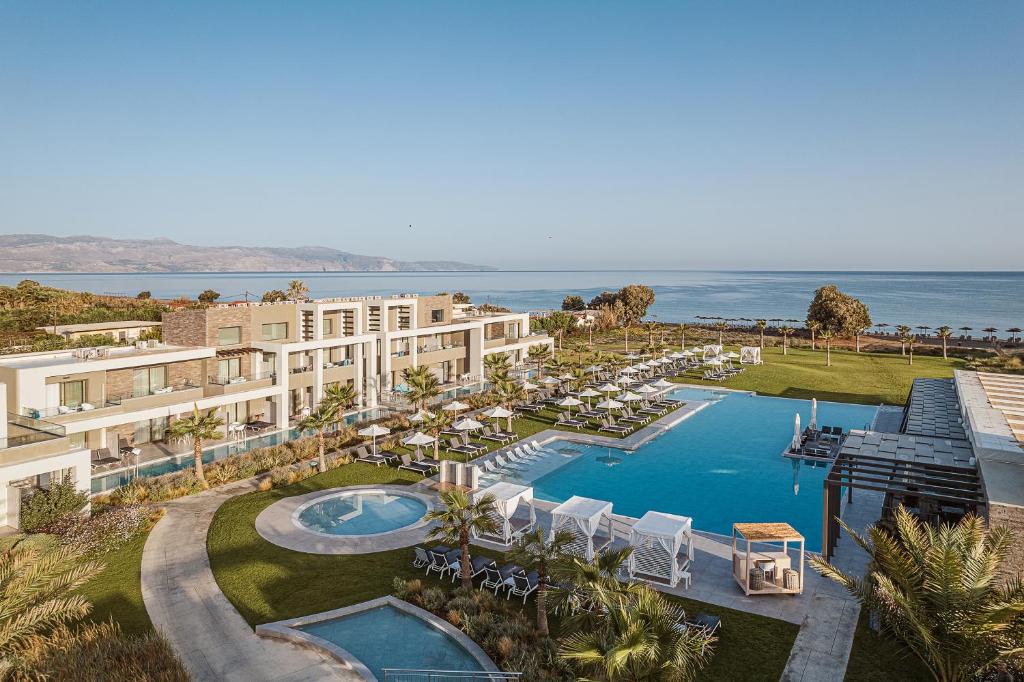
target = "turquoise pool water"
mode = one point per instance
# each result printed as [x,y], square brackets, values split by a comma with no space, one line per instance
[386,637]
[720,466]
[362,513]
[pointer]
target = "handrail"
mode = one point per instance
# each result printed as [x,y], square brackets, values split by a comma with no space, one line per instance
[412,675]
[221,380]
[38,431]
[170,388]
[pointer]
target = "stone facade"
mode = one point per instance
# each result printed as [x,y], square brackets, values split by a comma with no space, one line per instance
[1013,518]
[200,327]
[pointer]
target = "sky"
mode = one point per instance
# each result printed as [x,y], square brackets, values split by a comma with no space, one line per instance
[780,135]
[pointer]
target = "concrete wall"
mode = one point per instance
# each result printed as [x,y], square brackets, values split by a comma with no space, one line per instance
[1012,517]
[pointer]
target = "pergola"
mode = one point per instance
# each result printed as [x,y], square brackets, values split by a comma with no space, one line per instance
[774,563]
[508,498]
[934,475]
[584,518]
[658,539]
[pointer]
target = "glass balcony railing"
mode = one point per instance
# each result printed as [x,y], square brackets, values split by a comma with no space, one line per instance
[338,363]
[56,411]
[22,430]
[222,380]
[163,390]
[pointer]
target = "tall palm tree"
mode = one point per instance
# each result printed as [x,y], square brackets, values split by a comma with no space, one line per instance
[578,348]
[424,386]
[297,290]
[938,590]
[721,327]
[944,332]
[539,354]
[786,333]
[459,519]
[196,428]
[508,392]
[638,637]
[434,423]
[599,573]
[813,326]
[682,336]
[38,592]
[857,333]
[535,551]
[904,331]
[761,325]
[827,335]
[910,340]
[497,365]
[340,396]
[319,421]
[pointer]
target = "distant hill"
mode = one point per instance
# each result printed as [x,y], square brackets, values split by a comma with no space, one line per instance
[44,253]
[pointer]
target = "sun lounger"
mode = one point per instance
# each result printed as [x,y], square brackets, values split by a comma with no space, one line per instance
[477,566]
[421,558]
[607,425]
[407,463]
[487,434]
[523,585]
[565,420]
[426,461]
[464,439]
[439,560]
[455,446]
[496,577]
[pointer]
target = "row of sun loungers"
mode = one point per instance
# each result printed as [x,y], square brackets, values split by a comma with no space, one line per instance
[510,578]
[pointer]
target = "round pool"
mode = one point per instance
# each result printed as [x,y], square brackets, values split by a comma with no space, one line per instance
[360,512]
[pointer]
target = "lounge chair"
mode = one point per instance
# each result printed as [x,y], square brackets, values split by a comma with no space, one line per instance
[363,456]
[422,558]
[607,425]
[506,465]
[523,584]
[477,566]
[495,577]
[510,435]
[426,461]
[522,453]
[464,439]
[439,560]
[407,463]
[565,420]
[487,434]
[455,446]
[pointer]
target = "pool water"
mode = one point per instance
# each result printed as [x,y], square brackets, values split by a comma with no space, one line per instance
[722,465]
[362,513]
[386,637]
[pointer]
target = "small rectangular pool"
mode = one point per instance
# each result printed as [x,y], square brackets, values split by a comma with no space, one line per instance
[722,465]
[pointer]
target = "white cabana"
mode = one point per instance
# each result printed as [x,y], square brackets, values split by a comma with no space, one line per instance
[794,446]
[514,511]
[813,424]
[662,548]
[750,355]
[712,349]
[589,521]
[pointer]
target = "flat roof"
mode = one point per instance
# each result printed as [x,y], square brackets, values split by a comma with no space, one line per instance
[934,410]
[993,417]
[98,326]
[907,447]
[80,356]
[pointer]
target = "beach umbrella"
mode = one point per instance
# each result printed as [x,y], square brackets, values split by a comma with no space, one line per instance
[550,381]
[608,388]
[589,393]
[631,356]
[372,432]
[626,381]
[569,402]
[795,445]
[662,383]
[419,438]
[567,377]
[609,405]
[527,386]
[813,424]
[732,355]
[497,413]
[687,354]
[628,397]
[628,370]
[468,425]
[647,390]
[593,368]
[455,406]
[677,355]
[421,415]
[716,361]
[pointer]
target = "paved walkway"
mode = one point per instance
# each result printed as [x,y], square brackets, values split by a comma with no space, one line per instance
[188,608]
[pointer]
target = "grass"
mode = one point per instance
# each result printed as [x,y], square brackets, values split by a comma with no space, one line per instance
[267,583]
[868,378]
[117,591]
[877,658]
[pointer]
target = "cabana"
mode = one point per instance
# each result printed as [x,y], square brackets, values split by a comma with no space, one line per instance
[766,572]
[750,355]
[585,519]
[509,498]
[659,555]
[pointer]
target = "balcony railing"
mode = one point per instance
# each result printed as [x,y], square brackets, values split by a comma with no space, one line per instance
[339,363]
[300,370]
[56,411]
[120,399]
[428,348]
[22,430]
[224,380]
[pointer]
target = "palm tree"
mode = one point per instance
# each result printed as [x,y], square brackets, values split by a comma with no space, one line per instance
[813,326]
[578,348]
[539,354]
[297,290]
[424,386]
[827,335]
[196,428]
[497,365]
[650,326]
[944,333]
[857,334]
[682,336]
[340,397]
[638,637]
[721,327]
[786,332]
[904,331]
[761,325]
[460,519]
[508,392]
[39,592]
[434,423]
[938,590]
[535,551]
[991,331]
[910,340]
[587,577]
[319,421]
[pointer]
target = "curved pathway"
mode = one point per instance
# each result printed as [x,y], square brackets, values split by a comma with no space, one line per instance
[187,607]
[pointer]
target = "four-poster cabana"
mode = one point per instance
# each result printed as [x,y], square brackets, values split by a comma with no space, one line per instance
[589,521]
[772,568]
[662,548]
[509,498]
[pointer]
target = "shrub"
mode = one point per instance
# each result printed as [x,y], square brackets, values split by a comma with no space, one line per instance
[45,507]
[265,485]
[434,598]
[280,477]
[102,532]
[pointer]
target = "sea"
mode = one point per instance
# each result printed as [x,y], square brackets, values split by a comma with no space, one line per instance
[957,299]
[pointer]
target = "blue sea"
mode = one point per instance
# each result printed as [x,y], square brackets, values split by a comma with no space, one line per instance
[974,299]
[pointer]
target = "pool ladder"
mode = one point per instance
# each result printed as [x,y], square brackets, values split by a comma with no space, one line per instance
[399,675]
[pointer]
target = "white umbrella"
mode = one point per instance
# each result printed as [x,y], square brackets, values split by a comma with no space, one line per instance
[628,397]
[419,438]
[716,361]
[813,424]
[795,445]
[593,368]
[498,412]
[732,355]
[550,381]
[422,415]
[567,377]
[626,381]
[646,389]
[589,393]
[468,425]
[663,383]
[527,386]
[569,402]
[687,354]
[629,370]
[677,355]
[609,405]
[455,406]
[631,356]
[608,388]
[373,431]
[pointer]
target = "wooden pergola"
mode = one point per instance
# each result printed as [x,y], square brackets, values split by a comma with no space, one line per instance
[746,559]
[903,478]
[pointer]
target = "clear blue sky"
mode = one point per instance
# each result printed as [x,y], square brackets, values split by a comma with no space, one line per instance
[820,135]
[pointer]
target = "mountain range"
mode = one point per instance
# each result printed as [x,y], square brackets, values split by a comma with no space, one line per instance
[45,253]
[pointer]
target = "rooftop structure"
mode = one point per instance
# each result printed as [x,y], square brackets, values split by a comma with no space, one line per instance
[121,330]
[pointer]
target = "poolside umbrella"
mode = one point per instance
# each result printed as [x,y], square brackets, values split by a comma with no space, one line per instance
[593,369]
[567,377]
[455,406]
[608,388]
[631,356]
[497,413]
[625,381]
[609,405]
[419,438]
[663,383]
[420,416]
[589,393]
[687,354]
[795,445]
[550,381]
[527,386]
[373,431]
[646,389]
[628,397]
[732,355]
[813,424]
[715,361]
[468,424]
[629,370]
[569,402]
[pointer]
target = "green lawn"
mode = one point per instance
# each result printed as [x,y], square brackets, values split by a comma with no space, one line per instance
[869,378]
[117,591]
[877,658]
[266,582]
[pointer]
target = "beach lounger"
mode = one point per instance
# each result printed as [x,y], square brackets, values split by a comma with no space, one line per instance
[607,425]
[565,420]
[464,439]
[420,458]
[477,566]
[523,585]
[487,434]
[407,463]
[455,446]
[421,558]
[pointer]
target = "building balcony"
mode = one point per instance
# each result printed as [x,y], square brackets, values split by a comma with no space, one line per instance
[69,413]
[226,385]
[340,363]
[29,439]
[158,397]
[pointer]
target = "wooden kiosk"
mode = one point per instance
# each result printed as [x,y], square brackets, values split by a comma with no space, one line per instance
[772,569]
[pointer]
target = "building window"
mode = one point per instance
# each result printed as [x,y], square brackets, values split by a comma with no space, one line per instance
[72,393]
[437,316]
[147,380]
[227,336]
[275,331]
[328,328]
[229,368]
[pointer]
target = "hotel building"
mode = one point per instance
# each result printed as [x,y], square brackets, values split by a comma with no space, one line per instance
[72,412]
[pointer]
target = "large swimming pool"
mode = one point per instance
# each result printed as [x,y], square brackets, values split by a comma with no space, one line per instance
[719,466]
